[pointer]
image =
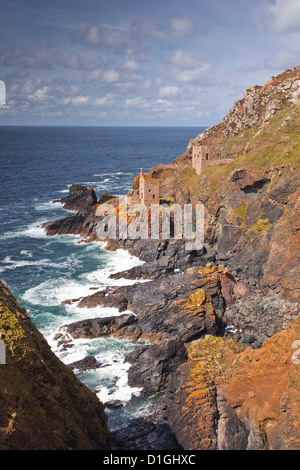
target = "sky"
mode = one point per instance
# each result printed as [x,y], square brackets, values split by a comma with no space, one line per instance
[137,62]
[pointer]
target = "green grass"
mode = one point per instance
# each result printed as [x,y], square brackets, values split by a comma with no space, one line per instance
[276,146]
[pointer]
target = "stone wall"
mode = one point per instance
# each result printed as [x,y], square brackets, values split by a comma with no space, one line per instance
[149,190]
[201,156]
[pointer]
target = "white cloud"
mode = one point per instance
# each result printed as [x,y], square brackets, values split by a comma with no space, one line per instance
[193,76]
[96,35]
[110,76]
[76,100]
[106,101]
[184,60]
[41,94]
[283,16]
[191,68]
[35,56]
[132,60]
[168,91]
[137,102]
[2,93]
[104,76]
[182,26]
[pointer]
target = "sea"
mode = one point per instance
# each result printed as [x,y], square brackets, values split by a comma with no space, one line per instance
[37,167]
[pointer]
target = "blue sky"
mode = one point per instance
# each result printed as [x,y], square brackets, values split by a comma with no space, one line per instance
[129,62]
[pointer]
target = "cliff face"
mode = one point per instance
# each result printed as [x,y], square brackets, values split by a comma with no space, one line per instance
[43,405]
[225,397]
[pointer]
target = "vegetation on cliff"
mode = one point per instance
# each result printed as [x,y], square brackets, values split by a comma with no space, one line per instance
[43,404]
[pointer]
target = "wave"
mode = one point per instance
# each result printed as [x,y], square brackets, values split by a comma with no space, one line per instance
[14,264]
[34,230]
[49,205]
[118,173]
[110,380]
[26,253]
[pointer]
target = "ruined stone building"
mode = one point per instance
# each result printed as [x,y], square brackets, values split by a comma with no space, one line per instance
[147,193]
[201,157]
[149,190]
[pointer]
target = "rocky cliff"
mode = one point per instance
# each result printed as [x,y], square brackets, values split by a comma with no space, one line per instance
[227,397]
[43,405]
[234,303]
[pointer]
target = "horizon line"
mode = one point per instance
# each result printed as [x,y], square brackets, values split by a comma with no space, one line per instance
[80,125]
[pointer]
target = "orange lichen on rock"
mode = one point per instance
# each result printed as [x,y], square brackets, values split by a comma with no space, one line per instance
[198,303]
[249,396]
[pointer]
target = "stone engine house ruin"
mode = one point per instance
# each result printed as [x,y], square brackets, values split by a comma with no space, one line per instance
[148,192]
[203,156]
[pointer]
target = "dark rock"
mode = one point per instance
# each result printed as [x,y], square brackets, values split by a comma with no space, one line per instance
[113,404]
[258,316]
[146,433]
[80,198]
[89,362]
[98,327]
[152,365]
[185,305]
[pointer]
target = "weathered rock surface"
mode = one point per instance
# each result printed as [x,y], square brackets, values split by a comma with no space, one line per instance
[149,433]
[43,405]
[228,398]
[187,305]
[89,362]
[151,366]
[79,199]
[257,317]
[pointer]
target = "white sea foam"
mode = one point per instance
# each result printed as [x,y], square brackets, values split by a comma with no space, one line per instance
[33,230]
[111,380]
[49,205]
[26,253]
[14,264]
[113,174]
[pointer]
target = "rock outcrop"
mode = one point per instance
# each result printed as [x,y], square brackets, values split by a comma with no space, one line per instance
[226,397]
[188,305]
[43,405]
[152,366]
[79,199]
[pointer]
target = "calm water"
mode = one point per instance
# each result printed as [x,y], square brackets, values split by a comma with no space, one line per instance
[38,164]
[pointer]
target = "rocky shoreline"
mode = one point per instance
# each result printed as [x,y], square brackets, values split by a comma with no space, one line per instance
[194,299]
